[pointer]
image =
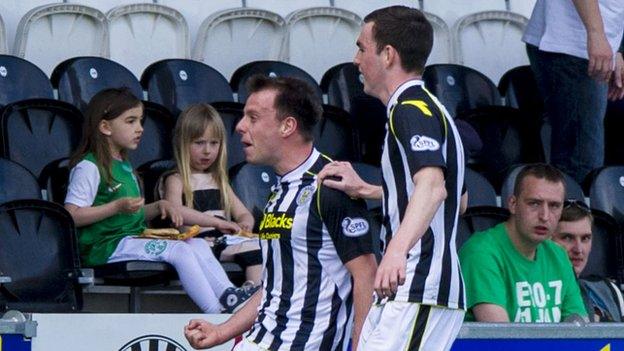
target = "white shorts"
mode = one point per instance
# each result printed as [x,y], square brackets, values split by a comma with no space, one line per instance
[397,325]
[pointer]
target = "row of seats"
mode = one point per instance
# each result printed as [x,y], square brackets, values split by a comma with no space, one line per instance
[138,34]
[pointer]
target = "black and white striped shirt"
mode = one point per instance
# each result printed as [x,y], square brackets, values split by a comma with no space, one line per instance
[420,133]
[307,235]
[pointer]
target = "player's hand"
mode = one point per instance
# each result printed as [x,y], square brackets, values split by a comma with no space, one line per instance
[167,209]
[341,176]
[616,85]
[202,335]
[227,227]
[391,272]
[600,57]
[129,204]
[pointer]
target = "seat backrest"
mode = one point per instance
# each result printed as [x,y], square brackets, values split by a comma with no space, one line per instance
[244,34]
[231,113]
[271,69]
[155,142]
[144,33]
[20,80]
[613,124]
[607,192]
[154,174]
[178,83]
[39,253]
[372,175]
[52,33]
[460,88]
[36,132]
[573,189]
[480,191]
[519,88]
[54,179]
[79,78]
[335,136]
[342,83]
[252,184]
[605,259]
[477,219]
[17,182]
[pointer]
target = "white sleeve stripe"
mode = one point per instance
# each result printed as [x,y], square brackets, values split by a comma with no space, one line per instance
[84,180]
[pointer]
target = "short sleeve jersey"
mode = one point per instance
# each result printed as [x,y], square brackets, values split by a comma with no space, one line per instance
[540,291]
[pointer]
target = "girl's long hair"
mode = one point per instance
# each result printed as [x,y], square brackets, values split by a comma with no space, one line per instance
[190,126]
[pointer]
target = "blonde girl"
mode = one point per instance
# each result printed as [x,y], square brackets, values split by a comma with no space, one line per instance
[201,185]
[104,199]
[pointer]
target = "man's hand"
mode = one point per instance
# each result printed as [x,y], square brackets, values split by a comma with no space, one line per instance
[202,335]
[129,204]
[391,272]
[616,84]
[341,176]
[600,57]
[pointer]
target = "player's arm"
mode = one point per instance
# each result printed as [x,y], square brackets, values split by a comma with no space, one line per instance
[488,312]
[463,204]
[599,51]
[341,176]
[362,268]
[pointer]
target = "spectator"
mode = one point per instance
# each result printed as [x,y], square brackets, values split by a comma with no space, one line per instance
[603,300]
[513,273]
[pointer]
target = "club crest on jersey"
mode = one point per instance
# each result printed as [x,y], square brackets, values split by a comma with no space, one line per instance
[424,143]
[354,227]
[305,194]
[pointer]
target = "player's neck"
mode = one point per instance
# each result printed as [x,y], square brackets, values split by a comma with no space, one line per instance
[292,157]
[394,82]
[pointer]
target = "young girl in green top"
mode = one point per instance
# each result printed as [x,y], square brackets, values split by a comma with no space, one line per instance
[105,202]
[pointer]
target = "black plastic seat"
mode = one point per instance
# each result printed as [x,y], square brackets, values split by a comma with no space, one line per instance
[335,136]
[480,191]
[369,119]
[151,174]
[573,189]
[252,184]
[613,126]
[231,113]
[39,254]
[372,175]
[460,88]
[17,182]
[477,219]
[519,88]
[342,83]
[36,132]
[605,259]
[155,144]
[21,79]
[607,192]
[178,83]
[271,69]
[78,79]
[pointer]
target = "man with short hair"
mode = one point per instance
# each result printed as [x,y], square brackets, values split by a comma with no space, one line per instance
[318,262]
[603,300]
[513,273]
[418,283]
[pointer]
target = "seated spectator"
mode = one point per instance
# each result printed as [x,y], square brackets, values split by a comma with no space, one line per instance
[512,272]
[603,300]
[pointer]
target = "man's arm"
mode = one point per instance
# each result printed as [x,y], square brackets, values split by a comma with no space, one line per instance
[362,268]
[429,192]
[341,176]
[201,334]
[487,312]
[463,205]
[599,51]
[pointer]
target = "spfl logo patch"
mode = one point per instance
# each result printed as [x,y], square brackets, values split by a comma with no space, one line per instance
[424,143]
[155,247]
[354,227]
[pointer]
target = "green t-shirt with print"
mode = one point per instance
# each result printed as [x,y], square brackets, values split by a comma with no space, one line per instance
[540,291]
[97,241]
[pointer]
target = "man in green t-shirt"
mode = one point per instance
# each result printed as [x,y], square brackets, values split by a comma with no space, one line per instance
[511,271]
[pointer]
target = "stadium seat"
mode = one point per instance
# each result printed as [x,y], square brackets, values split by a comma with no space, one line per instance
[326,33]
[477,219]
[39,255]
[519,88]
[607,192]
[335,136]
[573,189]
[271,69]
[151,174]
[613,126]
[252,184]
[36,132]
[17,182]
[244,34]
[155,144]
[178,83]
[372,175]
[231,113]
[20,80]
[284,8]
[144,33]
[480,191]
[460,88]
[79,78]
[51,33]
[54,179]
[508,140]
[342,83]
[605,259]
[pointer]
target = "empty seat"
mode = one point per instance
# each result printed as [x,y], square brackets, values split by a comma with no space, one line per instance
[155,144]
[178,83]
[231,113]
[230,38]
[335,136]
[52,33]
[460,88]
[36,132]
[480,191]
[519,88]
[285,7]
[104,6]
[144,33]
[342,83]
[271,69]
[3,38]
[372,175]
[39,255]
[12,12]
[151,173]
[442,50]
[573,189]
[20,80]
[319,37]
[79,78]
[54,179]
[17,182]
[606,257]
[252,184]
[607,192]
